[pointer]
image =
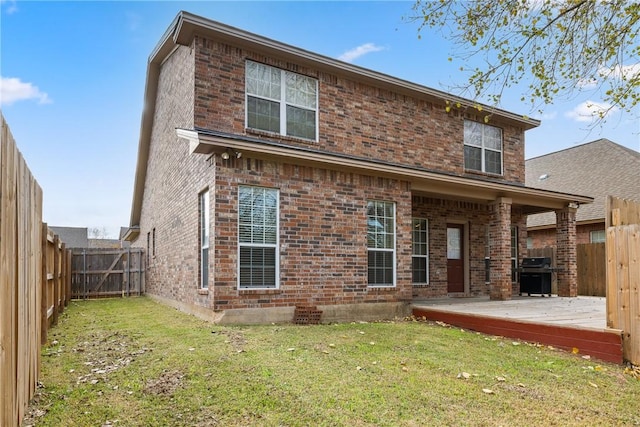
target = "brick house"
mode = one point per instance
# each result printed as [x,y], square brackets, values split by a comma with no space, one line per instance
[599,168]
[269,176]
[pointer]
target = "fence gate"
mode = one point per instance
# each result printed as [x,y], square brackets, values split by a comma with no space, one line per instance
[98,273]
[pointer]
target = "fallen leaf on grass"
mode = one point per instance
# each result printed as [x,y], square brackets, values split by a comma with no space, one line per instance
[487,391]
[405,369]
[593,384]
[291,349]
[501,379]
[464,375]
[586,357]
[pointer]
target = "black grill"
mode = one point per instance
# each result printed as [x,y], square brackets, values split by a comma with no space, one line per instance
[535,276]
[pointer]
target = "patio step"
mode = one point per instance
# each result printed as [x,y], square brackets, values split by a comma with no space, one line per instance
[602,344]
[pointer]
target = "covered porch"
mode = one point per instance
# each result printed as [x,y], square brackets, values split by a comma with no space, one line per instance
[561,322]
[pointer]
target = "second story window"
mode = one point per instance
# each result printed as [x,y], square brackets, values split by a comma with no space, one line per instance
[280,101]
[482,147]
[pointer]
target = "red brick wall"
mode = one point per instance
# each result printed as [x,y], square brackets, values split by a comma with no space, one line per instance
[323,235]
[354,118]
[173,180]
[322,212]
[547,237]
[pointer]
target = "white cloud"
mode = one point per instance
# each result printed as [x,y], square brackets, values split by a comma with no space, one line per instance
[12,7]
[13,89]
[357,52]
[620,71]
[589,111]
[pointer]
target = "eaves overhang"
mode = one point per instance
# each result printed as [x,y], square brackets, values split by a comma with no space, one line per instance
[423,181]
[186,26]
[131,234]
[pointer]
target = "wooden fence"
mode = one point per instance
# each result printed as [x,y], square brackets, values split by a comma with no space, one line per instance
[623,274]
[31,286]
[100,273]
[56,278]
[590,264]
[592,269]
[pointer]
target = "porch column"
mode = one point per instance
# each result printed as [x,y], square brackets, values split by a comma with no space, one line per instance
[500,249]
[567,252]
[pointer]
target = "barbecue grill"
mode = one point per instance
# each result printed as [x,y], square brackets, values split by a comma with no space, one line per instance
[535,276]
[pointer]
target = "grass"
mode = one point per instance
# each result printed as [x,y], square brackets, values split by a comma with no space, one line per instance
[133,362]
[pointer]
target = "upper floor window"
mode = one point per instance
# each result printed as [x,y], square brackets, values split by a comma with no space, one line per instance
[482,147]
[281,101]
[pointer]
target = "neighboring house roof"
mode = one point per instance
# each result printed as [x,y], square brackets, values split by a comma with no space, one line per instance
[599,169]
[72,237]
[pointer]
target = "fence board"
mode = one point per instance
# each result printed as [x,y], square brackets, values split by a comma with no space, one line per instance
[8,226]
[626,212]
[623,273]
[634,293]
[592,269]
[23,277]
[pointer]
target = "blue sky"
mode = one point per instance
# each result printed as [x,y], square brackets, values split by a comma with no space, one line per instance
[73,76]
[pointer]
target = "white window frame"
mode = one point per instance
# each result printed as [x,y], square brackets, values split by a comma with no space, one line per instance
[275,245]
[372,238]
[205,237]
[483,148]
[514,253]
[593,239]
[282,101]
[424,231]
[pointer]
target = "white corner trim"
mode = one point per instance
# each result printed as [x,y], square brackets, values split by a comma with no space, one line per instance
[191,137]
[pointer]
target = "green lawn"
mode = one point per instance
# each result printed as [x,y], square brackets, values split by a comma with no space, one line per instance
[133,362]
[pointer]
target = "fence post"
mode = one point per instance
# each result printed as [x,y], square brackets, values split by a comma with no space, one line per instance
[64,297]
[44,319]
[68,266]
[56,273]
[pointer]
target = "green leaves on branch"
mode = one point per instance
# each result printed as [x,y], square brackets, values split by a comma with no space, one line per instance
[554,48]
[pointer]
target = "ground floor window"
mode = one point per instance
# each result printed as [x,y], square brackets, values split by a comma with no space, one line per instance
[514,254]
[258,237]
[204,239]
[420,251]
[597,236]
[381,226]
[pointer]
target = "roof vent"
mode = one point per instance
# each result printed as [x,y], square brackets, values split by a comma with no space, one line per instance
[543,177]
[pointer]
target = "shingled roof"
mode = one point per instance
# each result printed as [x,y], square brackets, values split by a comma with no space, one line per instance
[598,169]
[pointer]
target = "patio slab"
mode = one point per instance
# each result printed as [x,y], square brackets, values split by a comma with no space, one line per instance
[582,311]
